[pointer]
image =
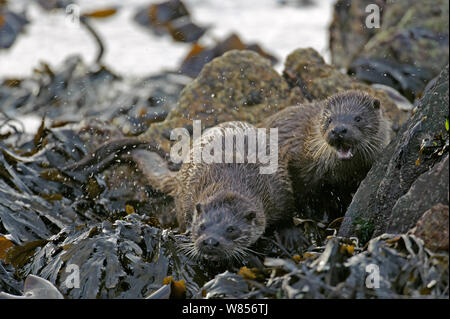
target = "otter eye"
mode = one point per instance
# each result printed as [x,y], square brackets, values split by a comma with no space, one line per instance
[231,229]
[202,227]
[358,119]
[250,216]
[329,120]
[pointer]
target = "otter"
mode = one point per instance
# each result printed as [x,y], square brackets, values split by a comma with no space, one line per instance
[328,147]
[226,207]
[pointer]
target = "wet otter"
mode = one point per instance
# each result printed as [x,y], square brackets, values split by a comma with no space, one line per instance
[225,206]
[328,147]
[228,206]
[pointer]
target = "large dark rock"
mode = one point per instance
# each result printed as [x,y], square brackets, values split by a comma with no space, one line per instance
[410,48]
[412,174]
[348,33]
[433,228]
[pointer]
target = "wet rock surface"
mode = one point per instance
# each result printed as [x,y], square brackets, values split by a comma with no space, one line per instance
[409,49]
[240,85]
[347,32]
[410,177]
[170,17]
[433,228]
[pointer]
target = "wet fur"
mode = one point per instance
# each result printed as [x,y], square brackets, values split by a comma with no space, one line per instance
[323,183]
[226,192]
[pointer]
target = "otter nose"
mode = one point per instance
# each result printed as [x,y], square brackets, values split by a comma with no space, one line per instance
[339,131]
[210,242]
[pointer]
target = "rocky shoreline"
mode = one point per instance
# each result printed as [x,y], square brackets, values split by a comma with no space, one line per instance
[118,229]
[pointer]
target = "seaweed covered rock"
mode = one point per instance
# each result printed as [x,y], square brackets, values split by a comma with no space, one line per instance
[74,91]
[433,228]
[199,55]
[8,283]
[348,31]
[240,85]
[411,176]
[35,202]
[410,48]
[39,197]
[170,17]
[306,69]
[390,267]
[125,259]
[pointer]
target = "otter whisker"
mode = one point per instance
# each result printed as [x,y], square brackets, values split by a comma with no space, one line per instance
[247,249]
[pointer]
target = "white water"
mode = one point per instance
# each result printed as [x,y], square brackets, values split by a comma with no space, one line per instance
[134,51]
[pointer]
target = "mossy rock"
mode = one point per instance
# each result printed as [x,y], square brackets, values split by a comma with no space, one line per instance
[239,85]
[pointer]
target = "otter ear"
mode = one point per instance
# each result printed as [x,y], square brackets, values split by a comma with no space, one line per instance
[229,198]
[199,208]
[250,216]
[376,104]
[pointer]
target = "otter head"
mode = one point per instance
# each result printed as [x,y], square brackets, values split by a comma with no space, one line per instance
[224,226]
[350,123]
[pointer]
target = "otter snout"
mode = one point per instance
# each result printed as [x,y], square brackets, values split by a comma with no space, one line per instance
[210,243]
[339,132]
[340,135]
[341,138]
[211,247]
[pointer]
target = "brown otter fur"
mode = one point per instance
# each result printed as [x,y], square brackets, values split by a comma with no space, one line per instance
[328,147]
[226,207]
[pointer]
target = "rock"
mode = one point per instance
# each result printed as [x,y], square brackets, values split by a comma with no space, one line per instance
[410,48]
[11,24]
[35,288]
[306,69]
[240,85]
[348,32]
[411,175]
[433,228]
[170,17]
[198,56]
[125,259]
[427,190]
[184,30]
